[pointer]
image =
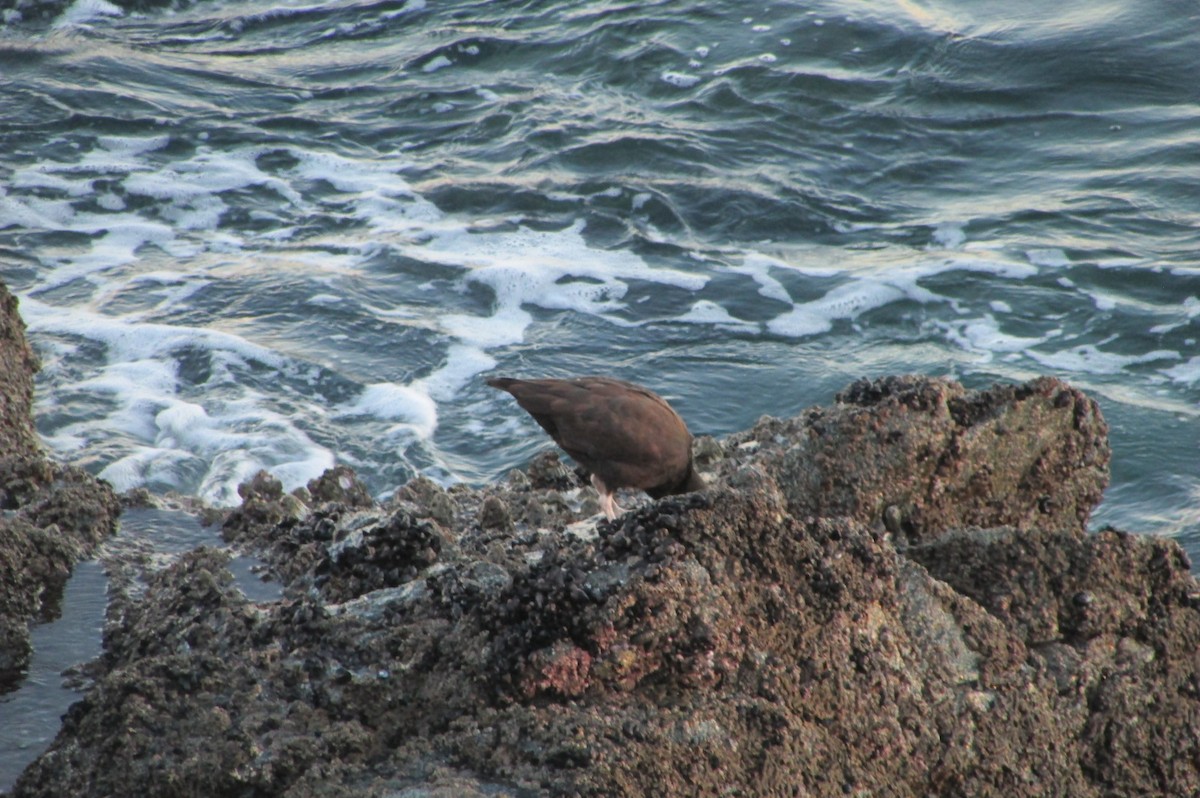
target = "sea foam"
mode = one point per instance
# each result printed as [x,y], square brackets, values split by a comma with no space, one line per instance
[82,11]
[192,390]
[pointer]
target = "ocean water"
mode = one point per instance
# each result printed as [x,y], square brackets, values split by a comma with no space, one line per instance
[285,235]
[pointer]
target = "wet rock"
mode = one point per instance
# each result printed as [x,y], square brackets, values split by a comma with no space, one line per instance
[493,514]
[1057,586]
[549,508]
[706,452]
[892,596]
[926,455]
[370,553]
[428,499]
[18,364]
[263,507]
[340,485]
[546,470]
[51,515]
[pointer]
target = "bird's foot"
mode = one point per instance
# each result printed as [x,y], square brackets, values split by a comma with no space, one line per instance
[608,500]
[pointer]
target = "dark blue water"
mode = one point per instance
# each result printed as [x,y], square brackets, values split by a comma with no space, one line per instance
[282,235]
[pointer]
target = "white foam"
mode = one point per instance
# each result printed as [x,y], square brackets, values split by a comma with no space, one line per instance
[134,145]
[127,341]
[554,270]
[807,266]
[144,466]
[205,445]
[506,326]
[484,287]
[87,10]
[983,335]
[949,235]
[119,155]
[876,288]
[140,388]
[758,267]
[1187,373]
[1190,307]
[845,227]
[40,177]
[135,378]
[116,246]
[846,301]
[408,8]
[390,402]
[462,364]
[170,442]
[681,80]
[237,439]
[188,191]
[1050,258]
[207,173]
[32,212]
[202,213]
[229,469]
[188,188]
[110,202]
[706,312]
[1089,359]
[434,64]
[983,263]
[381,196]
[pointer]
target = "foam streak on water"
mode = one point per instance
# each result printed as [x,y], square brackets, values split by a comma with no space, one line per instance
[260,235]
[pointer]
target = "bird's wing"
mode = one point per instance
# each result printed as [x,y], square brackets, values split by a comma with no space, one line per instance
[620,431]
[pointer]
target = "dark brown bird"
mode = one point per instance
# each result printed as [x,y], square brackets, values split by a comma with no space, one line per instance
[627,436]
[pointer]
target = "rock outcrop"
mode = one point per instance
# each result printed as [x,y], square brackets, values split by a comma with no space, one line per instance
[51,515]
[18,364]
[892,596]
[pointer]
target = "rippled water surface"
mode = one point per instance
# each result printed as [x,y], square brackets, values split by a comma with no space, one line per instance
[287,234]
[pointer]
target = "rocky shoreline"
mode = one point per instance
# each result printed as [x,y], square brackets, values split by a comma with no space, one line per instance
[894,595]
[51,516]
